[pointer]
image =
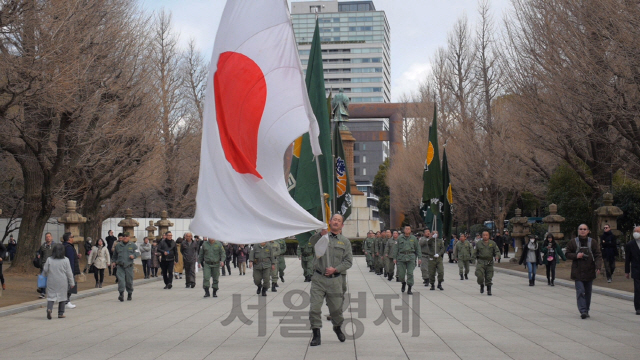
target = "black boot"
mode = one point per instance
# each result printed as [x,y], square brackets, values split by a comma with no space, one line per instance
[426,283]
[215,292]
[548,281]
[390,277]
[489,290]
[273,287]
[481,289]
[97,284]
[121,297]
[315,341]
[282,278]
[440,285]
[257,292]
[530,282]
[264,291]
[397,279]
[533,282]
[371,269]
[404,285]
[129,296]
[466,277]
[206,292]
[433,287]
[461,277]
[409,291]
[552,282]
[338,331]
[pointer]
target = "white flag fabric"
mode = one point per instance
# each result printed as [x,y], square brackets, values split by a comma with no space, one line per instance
[256,106]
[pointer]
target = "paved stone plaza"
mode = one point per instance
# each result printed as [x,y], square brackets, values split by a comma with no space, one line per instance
[517,322]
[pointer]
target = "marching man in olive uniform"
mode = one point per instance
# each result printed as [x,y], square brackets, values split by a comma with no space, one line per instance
[379,251]
[367,247]
[305,254]
[463,253]
[486,252]
[405,255]
[424,267]
[263,261]
[123,254]
[333,258]
[211,258]
[435,251]
[281,261]
[389,256]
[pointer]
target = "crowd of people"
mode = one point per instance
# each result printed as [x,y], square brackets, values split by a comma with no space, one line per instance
[391,254]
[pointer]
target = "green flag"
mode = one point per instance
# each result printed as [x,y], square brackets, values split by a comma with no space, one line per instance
[343,189]
[432,176]
[303,182]
[447,199]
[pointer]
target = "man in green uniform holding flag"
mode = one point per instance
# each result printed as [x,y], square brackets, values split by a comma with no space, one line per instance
[123,256]
[405,255]
[211,258]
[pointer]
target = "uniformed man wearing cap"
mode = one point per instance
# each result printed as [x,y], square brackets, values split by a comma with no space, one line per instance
[405,255]
[123,255]
[333,258]
[263,262]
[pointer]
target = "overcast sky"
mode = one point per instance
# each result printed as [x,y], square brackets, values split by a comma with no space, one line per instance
[418,28]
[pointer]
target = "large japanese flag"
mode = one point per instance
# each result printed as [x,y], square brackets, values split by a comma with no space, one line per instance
[256,106]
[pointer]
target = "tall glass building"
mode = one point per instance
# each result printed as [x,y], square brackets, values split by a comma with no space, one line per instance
[356,57]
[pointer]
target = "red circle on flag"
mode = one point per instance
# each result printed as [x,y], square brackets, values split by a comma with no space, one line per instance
[240,94]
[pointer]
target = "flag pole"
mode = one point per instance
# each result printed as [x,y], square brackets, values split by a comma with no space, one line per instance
[324,211]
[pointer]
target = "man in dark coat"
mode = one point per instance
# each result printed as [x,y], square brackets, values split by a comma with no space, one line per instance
[167,249]
[73,256]
[632,266]
[110,240]
[587,261]
[609,251]
[189,249]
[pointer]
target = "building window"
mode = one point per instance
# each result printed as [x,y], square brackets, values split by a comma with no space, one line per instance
[364,171]
[356,146]
[364,159]
[315,9]
[355,171]
[364,146]
[356,159]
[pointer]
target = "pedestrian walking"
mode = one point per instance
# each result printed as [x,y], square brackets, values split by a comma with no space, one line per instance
[179,264]
[110,242]
[281,261]
[100,259]
[305,255]
[74,259]
[632,266]
[424,266]
[486,252]
[367,248]
[189,249]
[60,279]
[499,240]
[123,256]
[154,262]
[44,253]
[145,256]
[389,254]
[167,250]
[227,259]
[3,255]
[531,258]
[263,262]
[551,255]
[463,253]
[211,258]
[506,240]
[405,255]
[333,258]
[12,247]
[241,256]
[587,261]
[609,245]
[435,252]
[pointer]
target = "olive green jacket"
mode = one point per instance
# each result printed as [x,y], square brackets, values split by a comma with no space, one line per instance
[435,246]
[262,257]
[487,252]
[339,254]
[212,254]
[305,252]
[407,248]
[122,252]
[390,247]
[463,251]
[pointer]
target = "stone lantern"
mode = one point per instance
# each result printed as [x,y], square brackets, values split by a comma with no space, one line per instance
[163,224]
[520,230]
[608,215]
[151,230]
[553,220]
[128,224]
[71,221]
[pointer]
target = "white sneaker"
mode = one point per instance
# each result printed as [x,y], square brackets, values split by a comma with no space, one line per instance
[70,305]
[608,280]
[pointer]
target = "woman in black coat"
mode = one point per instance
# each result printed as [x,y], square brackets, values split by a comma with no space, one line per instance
[531,256]
[609,251]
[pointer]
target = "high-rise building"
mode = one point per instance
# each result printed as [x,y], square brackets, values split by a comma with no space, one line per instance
[356,58]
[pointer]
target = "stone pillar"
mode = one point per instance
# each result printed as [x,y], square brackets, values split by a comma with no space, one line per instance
[151,231]
[163,224]
[520,230]
[553,220]
[347,141]
[128,224]
[72,220]
[608,215]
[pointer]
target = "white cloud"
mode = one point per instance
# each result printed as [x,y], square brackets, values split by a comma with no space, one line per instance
[410,79]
